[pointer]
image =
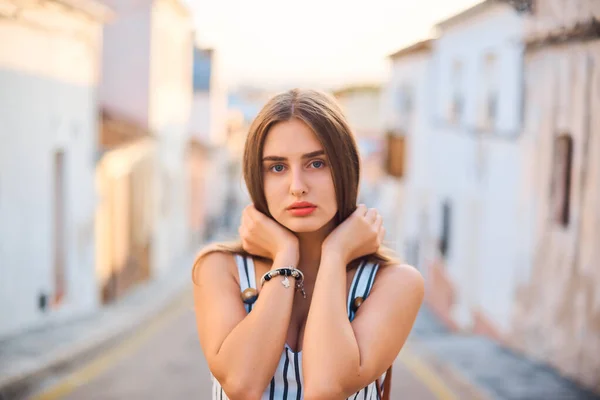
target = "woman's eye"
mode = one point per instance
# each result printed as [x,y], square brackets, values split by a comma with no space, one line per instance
[277,168]
[317,164]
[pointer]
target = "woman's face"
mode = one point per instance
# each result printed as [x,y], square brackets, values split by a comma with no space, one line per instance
[297,178]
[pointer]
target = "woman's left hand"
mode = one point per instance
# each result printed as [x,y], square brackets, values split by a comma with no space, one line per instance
[360,234]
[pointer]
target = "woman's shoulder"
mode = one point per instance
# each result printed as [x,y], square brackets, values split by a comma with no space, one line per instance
[219,249]
[216,259]
[397,274]
[391,268]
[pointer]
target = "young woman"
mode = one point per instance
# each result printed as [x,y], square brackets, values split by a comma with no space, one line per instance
[308,305]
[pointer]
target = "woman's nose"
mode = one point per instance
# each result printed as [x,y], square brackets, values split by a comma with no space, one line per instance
[298,185]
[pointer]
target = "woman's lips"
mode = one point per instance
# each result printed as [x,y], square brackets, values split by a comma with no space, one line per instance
[302,211]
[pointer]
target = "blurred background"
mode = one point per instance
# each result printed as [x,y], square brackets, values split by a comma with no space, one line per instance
[122,124]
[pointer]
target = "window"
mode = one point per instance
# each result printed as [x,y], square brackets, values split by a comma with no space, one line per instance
[411,249]
[446,228]
[456,101]
[488,101]
[405,99]
[561,179]
[492,104]
[60,256]
[396,154]
[523,99]
[525,6]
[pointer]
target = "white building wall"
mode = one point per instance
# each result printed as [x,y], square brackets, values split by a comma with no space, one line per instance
[208,124]
[364,112]
[556,15]
[557,307]
[218,101]
[170,102]
[200,120]
[125,71]
[412,72]
[147,77]
[48,73]
[208,120]
[476,167]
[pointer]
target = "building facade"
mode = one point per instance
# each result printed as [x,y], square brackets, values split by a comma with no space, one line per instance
[557,304]
[147,79]
[49,69]
[475,166]
[407,123]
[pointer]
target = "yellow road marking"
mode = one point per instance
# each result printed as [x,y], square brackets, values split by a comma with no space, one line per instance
[433,382]
[101,364]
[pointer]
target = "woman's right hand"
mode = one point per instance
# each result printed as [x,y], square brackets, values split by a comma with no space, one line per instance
[264,237]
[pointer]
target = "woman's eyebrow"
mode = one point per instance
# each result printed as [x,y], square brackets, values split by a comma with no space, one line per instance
[307,155]
[314,154]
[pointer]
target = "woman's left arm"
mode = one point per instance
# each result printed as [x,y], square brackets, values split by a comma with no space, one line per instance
[340,357]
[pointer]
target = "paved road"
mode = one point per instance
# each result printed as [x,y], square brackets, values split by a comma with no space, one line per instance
[164,361]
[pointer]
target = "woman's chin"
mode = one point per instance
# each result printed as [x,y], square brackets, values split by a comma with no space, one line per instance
[304,225]
[302,228]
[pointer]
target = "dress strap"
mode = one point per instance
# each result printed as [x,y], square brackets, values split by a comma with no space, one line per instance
[364,277]
[247,275]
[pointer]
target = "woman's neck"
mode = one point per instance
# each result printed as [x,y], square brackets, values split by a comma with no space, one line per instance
[309,246]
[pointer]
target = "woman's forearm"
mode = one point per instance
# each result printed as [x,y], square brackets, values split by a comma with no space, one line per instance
[330,349]
[249,355]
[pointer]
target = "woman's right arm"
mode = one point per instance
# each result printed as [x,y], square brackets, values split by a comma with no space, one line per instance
[242,350]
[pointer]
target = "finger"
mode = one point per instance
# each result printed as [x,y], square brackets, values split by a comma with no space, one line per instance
[255,214]
[378,222]
[246,211]
[361,210]
[249,223]
[245,218]
[371,215]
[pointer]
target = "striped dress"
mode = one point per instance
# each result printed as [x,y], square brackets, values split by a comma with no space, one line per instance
[286,384]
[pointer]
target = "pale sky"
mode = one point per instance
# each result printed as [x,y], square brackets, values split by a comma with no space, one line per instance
[313,42]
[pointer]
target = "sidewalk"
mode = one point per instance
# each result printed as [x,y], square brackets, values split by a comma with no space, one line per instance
[26,358]
[491,370]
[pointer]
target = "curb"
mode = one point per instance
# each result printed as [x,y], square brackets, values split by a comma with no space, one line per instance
[101,329]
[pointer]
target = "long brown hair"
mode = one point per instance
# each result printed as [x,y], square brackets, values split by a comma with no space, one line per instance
[321,112]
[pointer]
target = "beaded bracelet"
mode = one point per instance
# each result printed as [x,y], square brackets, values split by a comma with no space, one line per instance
[285,272]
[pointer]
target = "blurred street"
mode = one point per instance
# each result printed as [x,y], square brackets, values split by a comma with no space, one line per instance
[163,360]
[160,358]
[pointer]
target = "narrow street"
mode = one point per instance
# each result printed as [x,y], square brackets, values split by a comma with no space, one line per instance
[164,361]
